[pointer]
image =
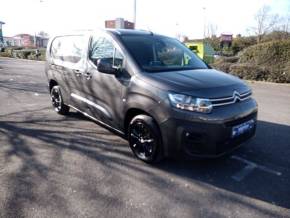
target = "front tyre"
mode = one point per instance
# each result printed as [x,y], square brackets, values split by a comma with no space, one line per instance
[145,139]
[57,101]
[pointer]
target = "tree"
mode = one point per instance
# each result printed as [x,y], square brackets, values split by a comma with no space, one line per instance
[211,30]
[285,27]
[214,41]
[265,22]
[43,34]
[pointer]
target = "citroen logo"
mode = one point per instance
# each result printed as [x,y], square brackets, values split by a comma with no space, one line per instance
[236,96]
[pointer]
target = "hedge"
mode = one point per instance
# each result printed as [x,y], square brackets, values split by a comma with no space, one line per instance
[265,62]
[249,72]
[19,52]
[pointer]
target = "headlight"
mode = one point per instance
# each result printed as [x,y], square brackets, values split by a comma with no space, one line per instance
[189,103]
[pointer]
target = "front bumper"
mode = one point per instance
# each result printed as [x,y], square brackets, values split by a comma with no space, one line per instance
[207,135]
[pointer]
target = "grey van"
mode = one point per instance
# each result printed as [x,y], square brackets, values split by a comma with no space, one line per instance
[152,90]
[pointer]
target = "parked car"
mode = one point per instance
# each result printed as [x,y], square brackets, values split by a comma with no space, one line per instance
[151,89]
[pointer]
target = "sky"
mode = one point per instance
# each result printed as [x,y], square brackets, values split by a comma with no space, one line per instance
[168,17]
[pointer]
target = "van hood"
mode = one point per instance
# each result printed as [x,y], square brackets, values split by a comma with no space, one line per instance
[206,83]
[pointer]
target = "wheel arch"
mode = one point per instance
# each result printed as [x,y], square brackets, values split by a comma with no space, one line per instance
[131,113]
[52,83]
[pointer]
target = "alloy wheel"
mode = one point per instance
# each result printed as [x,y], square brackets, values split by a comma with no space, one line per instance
[56,98]
[142,140]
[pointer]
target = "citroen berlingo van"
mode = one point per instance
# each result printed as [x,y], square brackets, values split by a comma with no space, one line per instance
[152,90]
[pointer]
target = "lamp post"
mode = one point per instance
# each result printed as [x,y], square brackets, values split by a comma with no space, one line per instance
[134,16]
[177,31]
[1,35]
[204,22]
[39,17]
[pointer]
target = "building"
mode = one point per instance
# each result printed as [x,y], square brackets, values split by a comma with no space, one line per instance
[204,50]
[119,23]
[26,40]
[41,42]
[226,40]
[1,33]
[12,41]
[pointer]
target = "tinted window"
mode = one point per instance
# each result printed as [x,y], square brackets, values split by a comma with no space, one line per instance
[104,48]
[68,48]
[158,53]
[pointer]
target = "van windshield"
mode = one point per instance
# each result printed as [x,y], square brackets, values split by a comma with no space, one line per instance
[155,53]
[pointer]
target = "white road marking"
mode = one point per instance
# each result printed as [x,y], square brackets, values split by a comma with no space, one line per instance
[36,94]
[239,176]
[251,166]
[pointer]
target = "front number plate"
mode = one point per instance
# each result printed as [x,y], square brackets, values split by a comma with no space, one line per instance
[242,128]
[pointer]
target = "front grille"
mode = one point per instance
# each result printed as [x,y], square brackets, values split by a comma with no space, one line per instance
[236,97]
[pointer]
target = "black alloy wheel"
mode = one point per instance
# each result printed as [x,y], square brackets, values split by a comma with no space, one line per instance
[145,139]
[57,101]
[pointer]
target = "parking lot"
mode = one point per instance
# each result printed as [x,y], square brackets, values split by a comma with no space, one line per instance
[56,166]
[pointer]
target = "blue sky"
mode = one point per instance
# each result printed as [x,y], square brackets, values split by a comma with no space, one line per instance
[169,17]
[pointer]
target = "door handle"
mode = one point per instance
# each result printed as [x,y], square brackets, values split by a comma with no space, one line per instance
[78,73]
[88,75]
[57,67]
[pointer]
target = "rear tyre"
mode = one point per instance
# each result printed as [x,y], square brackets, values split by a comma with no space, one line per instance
[145,139]
[57,101]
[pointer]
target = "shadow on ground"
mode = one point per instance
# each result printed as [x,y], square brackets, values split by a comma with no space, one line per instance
[31,135]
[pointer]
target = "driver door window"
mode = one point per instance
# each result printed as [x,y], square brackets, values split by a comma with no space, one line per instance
[104,48]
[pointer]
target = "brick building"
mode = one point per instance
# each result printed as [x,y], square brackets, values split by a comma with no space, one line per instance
[26,40]
[226,40]
[119,23]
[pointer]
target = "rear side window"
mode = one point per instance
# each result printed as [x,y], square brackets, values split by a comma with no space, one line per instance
[68,48]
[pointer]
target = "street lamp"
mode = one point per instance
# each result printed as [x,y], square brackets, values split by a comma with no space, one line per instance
[39,17]
[135,9]
[1,36]
[178,35]
[204,22]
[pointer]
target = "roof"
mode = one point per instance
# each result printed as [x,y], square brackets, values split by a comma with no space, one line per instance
[195,43]
[116,32]
[22,34]
[128,32]
[226,34]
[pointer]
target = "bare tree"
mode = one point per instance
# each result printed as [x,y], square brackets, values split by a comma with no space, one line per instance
[211,30]
[285,27]
[265,22]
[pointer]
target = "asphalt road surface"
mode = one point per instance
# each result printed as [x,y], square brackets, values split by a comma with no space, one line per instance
[56,166]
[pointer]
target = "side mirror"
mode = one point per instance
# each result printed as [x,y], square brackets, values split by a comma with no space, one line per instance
[104,65]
